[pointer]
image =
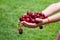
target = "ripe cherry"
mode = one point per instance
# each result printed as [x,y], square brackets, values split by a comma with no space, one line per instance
[29,13]
[33,16]
[36,13]
[27,19]
[33,21]
[38,16]
[22,19]
[25,16]
[41,27]
[20,31]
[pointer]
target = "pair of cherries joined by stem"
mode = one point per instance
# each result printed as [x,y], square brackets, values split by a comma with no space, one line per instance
[31,18]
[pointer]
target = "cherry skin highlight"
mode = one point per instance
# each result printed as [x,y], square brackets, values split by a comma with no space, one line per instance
[27,19]
[33,21]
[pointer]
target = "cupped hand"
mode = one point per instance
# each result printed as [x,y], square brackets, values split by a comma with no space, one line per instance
[40,21]
[32,25]
[29,25]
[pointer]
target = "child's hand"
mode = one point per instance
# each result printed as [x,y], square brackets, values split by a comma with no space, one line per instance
[40,21]
[29,25]
[32,25]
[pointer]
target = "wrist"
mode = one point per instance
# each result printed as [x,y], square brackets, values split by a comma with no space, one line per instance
[46,21]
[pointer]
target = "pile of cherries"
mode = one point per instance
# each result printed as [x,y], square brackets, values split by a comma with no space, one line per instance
[31,18]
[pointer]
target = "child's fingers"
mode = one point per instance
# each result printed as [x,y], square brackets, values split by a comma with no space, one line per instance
[30,24]
[39,20]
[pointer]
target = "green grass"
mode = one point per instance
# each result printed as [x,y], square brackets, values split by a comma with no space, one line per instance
[11,10]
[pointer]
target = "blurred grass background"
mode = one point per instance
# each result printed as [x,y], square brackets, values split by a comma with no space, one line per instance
[11,10]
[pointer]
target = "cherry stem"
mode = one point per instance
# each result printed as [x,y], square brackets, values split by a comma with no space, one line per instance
[19,24]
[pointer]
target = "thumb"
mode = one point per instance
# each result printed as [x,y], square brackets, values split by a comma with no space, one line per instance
[39,20]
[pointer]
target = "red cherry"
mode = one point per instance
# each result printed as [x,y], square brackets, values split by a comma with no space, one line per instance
[20,31]
[30,19]
[33,21]
[27,19]
[29,13]
[33,16]
[41,27]
[25,16]
[22,19]
[38,16]
[36,13]
[44,16]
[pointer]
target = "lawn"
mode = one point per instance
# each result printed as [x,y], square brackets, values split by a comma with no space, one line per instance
[11,10]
